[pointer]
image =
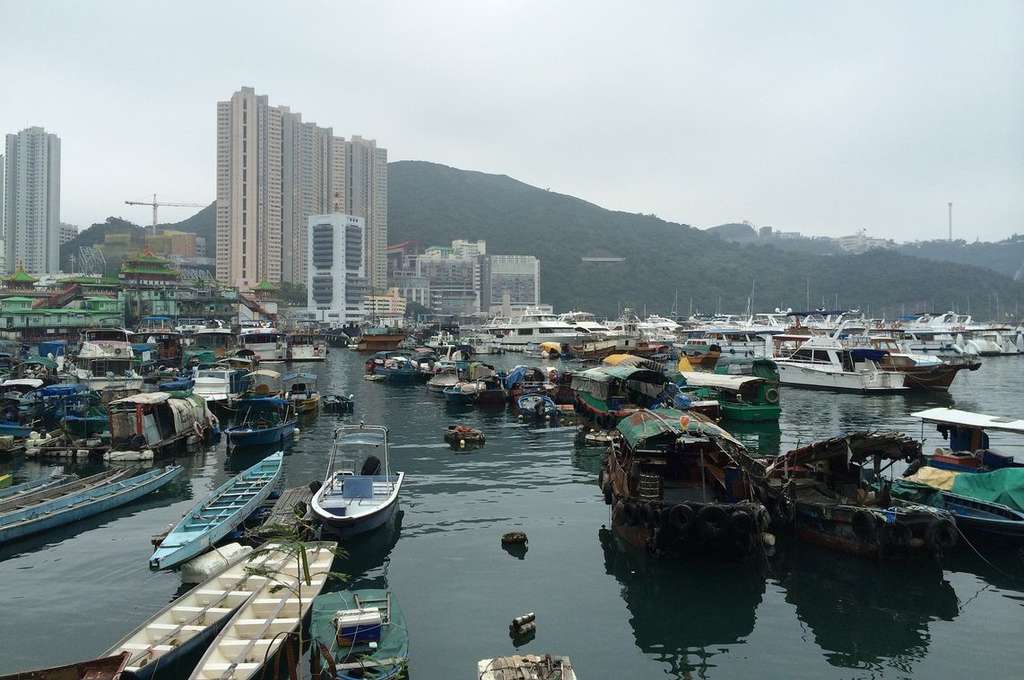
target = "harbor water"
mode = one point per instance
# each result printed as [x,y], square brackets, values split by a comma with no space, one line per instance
[70,593]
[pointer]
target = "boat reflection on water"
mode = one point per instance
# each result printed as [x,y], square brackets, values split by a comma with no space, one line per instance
[760,438]
[366,557]
[684,614]
[865,614]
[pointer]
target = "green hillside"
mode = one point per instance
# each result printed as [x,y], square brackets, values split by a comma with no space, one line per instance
[434,204]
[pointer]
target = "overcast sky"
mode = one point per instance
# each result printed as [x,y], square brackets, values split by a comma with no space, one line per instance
[823,117]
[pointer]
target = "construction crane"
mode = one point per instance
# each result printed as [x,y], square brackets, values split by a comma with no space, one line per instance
[156,204]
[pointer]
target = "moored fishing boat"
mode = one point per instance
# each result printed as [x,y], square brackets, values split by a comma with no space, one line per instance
[269,345]
[219,513]
[307,346]
[300,390]
[445,376]
[107,668]
[536,405]
[605,394]
[819,493]
[358,634]
[548,667]
[38,484]
[676,487]
[748,398]
[379,339]
[350,502]
[264,421]
[48,493]
[968,449]
[72,507]
[256,631]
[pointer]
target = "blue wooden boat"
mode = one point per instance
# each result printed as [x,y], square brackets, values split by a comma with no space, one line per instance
[265,421]
[537,405]
[17,430]
[462,393]
[37,484]
[75,506]
[219,513]
[358,634]
[977,519]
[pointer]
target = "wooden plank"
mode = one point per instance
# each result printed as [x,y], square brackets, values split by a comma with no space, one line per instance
[282,513]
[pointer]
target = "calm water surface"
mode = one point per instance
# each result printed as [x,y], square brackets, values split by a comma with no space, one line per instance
[70,593]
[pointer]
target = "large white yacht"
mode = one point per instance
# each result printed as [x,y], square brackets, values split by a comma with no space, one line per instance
[533,327]
[822,361]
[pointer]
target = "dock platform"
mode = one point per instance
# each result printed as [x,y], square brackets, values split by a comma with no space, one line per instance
[283,518]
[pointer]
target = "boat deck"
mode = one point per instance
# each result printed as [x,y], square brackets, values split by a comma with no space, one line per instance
[282,514]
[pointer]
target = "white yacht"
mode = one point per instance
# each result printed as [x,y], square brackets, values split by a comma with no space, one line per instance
[112,343]
[533,327]
[268,344]
[307,346]
[992,343]
[823,362]
[585,321]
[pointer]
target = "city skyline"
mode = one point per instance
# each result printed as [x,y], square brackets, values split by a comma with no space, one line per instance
[790,116]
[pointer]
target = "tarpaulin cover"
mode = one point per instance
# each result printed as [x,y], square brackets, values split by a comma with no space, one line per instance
[1005,486]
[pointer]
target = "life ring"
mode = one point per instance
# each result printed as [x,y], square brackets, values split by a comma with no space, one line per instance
[771,395]
[681,517]
[712,521]
[865,526]
[941,535]
[741,523]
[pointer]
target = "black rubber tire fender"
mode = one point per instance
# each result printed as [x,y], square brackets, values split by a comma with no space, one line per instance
[681,518]
[629,514]
[741,523]
[865,526]
[941,535]
[607,493]
[712,521]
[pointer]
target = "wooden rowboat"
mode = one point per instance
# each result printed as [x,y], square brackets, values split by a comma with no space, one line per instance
[75,506]
[164,644]
[34,485]
[257,630]
[107,668]
[47,494]
[219,513]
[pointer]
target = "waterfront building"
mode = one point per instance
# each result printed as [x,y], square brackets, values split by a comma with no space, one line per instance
[412,288]
[513,280]
[336,282]
[274,171]
[454,280]
[390,305]
[147,269]
[32,200]
[464,248]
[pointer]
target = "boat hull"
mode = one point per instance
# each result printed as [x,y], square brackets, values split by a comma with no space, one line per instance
[272,435]
[63,511]
[868,382]
[750,413]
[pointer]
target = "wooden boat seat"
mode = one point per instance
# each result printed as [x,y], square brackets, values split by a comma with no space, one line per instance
[186,612]
[168,627]
[273,626]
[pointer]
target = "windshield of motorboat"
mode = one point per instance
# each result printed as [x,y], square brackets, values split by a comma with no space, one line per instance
[360,437]
[106,335]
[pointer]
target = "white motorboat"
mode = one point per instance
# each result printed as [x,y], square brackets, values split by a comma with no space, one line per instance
[586,322]
[103,373]
[218,385]
[823,362]
[351,502]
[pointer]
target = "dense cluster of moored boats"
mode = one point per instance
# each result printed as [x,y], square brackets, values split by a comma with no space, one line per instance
[656,395]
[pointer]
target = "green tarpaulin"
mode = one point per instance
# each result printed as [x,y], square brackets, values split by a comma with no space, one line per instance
[1004,486]
[386,661]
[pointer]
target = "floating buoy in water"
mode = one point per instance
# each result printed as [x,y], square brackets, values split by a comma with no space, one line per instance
[514,538]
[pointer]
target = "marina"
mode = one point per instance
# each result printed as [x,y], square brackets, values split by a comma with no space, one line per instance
[425,537]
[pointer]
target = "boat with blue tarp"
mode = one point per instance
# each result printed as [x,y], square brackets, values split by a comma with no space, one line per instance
[219,513]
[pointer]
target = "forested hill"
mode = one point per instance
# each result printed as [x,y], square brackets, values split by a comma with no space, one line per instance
[433,204]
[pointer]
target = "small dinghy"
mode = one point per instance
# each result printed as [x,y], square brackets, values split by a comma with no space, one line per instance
[165,643]
[358,634]
[462,435]
[265,421]
[108,668]
[528,666]
[252,637]
[536,405]
[350,503]
[218,514]
[337,403]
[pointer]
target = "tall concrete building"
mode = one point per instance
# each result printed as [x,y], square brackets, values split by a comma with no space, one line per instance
[336,277]
[274,172]
[32,201]
[513,280]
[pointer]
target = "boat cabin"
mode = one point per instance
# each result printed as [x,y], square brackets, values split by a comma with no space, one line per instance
[967,434]
[158,421]
[607,393]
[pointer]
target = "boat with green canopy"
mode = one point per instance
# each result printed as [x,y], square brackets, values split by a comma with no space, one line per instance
[358,634]
[748,398]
